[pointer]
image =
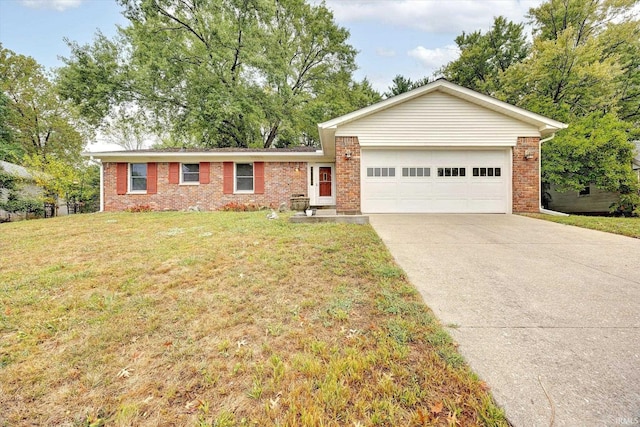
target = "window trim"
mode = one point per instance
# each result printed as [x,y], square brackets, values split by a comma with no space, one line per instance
[441,171]
[182,181]
[585,192]
[130,189]
[390,171]
[235,178]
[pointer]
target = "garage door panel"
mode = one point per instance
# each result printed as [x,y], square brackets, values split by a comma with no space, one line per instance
[433,193]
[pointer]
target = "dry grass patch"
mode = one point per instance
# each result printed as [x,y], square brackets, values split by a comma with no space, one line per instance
[219,319]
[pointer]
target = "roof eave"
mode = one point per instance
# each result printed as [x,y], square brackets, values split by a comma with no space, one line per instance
[167,156]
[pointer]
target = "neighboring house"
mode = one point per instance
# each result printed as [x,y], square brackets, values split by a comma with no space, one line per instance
[27,189]
[438,148]
[591,200]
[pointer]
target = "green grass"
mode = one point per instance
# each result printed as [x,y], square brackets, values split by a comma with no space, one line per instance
[220,319]
[617,225]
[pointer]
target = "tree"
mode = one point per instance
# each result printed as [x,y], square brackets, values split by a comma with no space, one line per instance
[10,151]
[401,84]
[483,57]
[593,150]
[212,74]
[581,71]
[39,122]
[127,129]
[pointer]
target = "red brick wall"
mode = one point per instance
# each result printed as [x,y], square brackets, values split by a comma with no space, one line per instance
[281,181]
[347,175]
[526,175]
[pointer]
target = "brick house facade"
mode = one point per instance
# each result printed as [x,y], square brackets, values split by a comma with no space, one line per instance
[526,175]
[348,175]
[281,181]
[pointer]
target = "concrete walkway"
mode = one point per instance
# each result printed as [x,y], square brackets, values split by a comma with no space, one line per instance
[547,314]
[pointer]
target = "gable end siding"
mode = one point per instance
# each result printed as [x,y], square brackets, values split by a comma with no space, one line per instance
[438,119]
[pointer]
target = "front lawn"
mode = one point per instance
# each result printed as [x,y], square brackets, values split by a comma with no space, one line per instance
[618,225]
[219,319]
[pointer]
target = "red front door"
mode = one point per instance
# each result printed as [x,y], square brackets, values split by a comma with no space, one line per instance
[325,181]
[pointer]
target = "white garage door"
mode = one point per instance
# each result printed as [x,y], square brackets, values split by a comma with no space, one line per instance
[432,181]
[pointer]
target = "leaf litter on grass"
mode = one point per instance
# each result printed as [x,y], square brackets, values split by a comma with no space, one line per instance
[266,323]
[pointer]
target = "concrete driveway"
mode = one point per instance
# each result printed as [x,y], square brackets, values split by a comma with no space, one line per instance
[547,314]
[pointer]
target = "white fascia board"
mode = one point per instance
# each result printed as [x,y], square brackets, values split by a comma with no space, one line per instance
[128,156]
[440,146]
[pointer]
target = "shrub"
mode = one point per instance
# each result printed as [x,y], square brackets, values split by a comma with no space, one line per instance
[139,209]
[628,205]
[242,207]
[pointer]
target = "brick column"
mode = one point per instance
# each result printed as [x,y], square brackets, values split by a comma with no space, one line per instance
[526,175]
[347,175]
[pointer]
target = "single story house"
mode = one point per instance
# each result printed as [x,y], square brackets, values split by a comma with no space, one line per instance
[438,148]
[27,188]
[590,200]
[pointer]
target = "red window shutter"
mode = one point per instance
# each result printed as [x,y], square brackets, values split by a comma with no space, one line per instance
[152,178]
[174,173]
[204,173]
[227,177]
[258,177]
[121,178]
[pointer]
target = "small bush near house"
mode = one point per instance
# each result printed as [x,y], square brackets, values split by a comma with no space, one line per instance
[242,207]
[139,209]
[628,205]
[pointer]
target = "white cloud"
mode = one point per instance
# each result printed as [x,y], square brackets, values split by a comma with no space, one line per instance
[58,5]
[432,59]
[451,16]
[388,53]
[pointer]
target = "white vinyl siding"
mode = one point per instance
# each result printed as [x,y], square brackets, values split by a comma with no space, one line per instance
[437,119]
[453,191]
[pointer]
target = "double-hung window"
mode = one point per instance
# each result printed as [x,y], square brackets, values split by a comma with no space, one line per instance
[244,177]
[138,177]
[190,173]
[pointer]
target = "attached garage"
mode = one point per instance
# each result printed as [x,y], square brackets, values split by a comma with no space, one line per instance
[440,148]
[435,181]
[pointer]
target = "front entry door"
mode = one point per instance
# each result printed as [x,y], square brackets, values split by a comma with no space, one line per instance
[322,185]
[325,181]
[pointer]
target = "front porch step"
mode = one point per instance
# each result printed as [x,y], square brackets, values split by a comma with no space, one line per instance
[324,212]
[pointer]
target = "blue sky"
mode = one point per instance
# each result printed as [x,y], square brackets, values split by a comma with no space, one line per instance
[409,37]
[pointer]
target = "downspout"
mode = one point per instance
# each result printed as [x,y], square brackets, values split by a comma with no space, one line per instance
[543,210]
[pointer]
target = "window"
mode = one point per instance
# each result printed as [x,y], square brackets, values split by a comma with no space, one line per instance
[446,172]
[585,191]
[244,177]
[381,172]
[487,172]
[138,177]
[190,173]
[419,172]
